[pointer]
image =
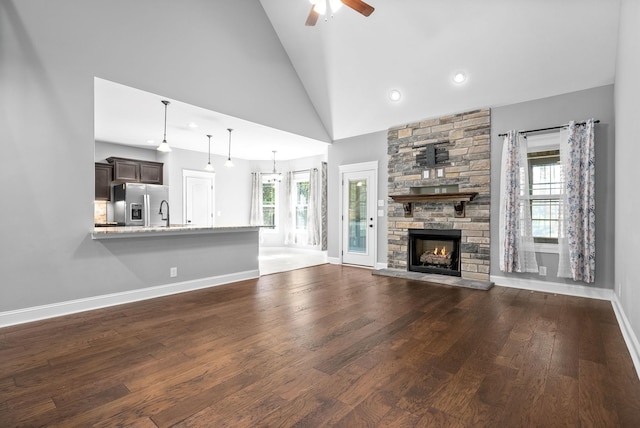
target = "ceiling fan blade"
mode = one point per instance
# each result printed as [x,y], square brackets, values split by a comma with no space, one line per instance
[313,17]
[359,6]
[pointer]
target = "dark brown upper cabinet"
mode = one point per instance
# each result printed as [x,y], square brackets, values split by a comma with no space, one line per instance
[104,176]
[151,172]
[136,171]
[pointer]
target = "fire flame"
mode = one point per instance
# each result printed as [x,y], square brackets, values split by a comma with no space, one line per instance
[441,252]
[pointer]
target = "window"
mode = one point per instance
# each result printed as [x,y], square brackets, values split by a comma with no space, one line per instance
[546,184]
[545,179]
[302,201]
[269,204]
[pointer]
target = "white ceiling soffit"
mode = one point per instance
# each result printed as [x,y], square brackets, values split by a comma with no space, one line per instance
[129,116]
[512,51]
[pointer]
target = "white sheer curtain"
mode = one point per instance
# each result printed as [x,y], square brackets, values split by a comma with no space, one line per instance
[255,218]
[564,266]
[578,241]
[288,208]
[517,253]
[313,220]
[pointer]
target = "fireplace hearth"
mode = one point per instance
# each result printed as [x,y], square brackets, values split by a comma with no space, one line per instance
[434,251]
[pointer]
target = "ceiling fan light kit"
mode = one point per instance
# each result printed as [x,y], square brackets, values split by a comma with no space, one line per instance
[320,7]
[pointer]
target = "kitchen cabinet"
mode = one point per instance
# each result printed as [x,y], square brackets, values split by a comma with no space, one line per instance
[136,171]
[151,172]
[104,176]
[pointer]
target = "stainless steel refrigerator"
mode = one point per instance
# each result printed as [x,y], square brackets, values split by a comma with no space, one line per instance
[136,204]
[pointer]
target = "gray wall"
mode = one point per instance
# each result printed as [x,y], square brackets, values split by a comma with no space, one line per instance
[543,113]
[232,185]
[225,57]
[627,94]
[103,150]
[363,148]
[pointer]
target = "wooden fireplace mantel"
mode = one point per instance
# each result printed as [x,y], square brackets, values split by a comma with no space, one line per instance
[458,200]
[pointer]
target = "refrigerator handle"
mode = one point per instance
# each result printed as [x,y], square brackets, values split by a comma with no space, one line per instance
[146,210]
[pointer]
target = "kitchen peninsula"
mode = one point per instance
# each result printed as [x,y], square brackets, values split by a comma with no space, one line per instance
[173,230]
[148,262]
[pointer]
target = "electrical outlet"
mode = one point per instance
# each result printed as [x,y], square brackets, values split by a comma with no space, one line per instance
[542,270]
[173,272]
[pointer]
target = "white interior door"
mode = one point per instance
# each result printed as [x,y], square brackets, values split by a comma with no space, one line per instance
[198,198]
[359,195]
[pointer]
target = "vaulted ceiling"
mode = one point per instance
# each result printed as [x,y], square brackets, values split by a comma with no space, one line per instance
[510,50]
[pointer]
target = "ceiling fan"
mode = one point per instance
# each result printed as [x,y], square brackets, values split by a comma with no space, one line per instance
[319,7]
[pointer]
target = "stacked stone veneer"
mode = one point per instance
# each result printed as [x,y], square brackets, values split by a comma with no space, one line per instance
[467,138]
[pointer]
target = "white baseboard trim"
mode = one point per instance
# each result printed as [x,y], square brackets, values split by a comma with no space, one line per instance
[553,287]
[21,316]
[337,261]
[633,345]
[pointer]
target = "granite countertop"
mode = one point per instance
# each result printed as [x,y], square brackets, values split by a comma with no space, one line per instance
[173,230]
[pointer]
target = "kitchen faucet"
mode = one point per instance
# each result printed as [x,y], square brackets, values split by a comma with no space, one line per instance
[164,201]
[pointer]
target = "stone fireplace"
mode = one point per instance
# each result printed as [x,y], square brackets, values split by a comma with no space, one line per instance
[441,157]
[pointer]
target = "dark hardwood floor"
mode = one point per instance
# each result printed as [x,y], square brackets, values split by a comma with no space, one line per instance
[324,346]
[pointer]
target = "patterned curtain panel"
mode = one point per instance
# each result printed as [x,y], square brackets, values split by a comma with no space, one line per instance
[255,218]
[288,207]
[323,207]
[517,253]
[578,246]
[313,220]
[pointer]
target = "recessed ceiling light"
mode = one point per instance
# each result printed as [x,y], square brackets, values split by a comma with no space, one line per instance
[192,125]
[459,77]
[395,95]
[150,141]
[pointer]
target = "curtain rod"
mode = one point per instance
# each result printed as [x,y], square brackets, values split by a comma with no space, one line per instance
[294,172]
[549,129]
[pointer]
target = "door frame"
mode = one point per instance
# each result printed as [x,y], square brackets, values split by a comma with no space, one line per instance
[357,167]
[198,174]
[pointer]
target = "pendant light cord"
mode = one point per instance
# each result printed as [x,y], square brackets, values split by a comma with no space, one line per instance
[229,129]
[166,103]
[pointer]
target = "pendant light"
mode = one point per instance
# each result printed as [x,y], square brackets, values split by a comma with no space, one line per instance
[209,167]
[228,163]
[164,146]
[275,176]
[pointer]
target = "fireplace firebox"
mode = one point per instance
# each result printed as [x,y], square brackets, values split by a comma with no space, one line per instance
[434,251]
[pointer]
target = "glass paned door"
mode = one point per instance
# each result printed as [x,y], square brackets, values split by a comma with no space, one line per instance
[359,226]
